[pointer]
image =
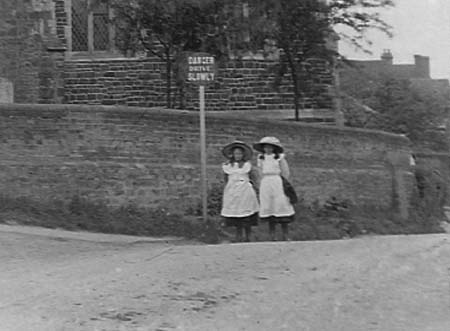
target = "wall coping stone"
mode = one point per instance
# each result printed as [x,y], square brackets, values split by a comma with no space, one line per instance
[164,112]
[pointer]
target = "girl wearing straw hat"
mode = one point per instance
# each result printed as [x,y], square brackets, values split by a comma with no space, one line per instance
[240,205]
[275,206]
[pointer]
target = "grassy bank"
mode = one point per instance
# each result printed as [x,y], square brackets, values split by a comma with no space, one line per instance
[81,214]
[332,220]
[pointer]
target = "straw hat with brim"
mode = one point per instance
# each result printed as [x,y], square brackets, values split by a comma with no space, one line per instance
[228,149]
[278,148]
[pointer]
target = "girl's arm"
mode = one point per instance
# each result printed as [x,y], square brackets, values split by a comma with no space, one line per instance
[225,169]
[284,168]
[259,161]
[254,176]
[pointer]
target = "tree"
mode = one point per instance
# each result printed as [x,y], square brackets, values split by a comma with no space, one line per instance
[353,18]
[397,106]
[300,28]
[406,110]
[167,28]
[303,29]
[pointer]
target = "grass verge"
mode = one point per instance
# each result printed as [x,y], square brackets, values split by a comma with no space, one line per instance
[332,220]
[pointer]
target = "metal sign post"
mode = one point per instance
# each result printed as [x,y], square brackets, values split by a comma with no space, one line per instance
[201,70]
[203,153]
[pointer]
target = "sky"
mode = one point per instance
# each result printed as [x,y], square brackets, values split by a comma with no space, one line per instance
[419,27]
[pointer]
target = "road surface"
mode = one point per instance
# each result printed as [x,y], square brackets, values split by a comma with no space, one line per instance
[63,283]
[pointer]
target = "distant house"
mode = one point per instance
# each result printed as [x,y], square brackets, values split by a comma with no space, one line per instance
[418,72]
[420,69]
[63,51]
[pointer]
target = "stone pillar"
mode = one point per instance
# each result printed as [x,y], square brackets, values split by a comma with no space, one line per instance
[399,164]
[6,91]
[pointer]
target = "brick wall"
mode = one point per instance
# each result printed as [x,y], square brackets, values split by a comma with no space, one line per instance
[151,157]
[241,85]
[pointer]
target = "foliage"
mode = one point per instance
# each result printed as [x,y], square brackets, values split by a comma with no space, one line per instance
[215,195]
[301,29]
[394,105]
[431,194]
[354,18]
[168,28]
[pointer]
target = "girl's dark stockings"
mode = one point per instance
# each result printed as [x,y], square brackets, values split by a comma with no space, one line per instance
[272,225]
[284,230]
[240,233]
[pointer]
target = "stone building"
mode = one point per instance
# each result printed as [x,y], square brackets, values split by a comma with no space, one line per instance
[62,51]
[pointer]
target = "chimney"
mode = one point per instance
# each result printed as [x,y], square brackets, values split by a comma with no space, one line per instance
[387,56]
[422,64]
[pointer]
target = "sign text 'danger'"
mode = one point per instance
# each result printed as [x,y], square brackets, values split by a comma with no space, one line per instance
[200,60]
[201,69]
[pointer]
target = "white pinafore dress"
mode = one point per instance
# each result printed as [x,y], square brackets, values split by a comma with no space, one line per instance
[273,201]
[239,197]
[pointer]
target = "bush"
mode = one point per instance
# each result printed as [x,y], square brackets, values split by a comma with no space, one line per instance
[337,219]
[215,194]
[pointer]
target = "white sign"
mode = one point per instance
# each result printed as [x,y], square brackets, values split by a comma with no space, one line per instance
[200,69]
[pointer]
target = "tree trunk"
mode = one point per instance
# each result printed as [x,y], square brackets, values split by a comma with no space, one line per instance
[180,84]
[168,79]
[294,78]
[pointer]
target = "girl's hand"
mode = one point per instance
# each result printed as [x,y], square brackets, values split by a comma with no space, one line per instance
[284,167]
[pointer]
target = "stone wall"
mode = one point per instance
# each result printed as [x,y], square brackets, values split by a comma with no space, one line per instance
[35,33]
[148,157]
[240,85]
[111,82]
[26,32]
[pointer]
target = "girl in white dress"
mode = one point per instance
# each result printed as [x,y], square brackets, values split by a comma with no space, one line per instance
[275,206]
[240,205]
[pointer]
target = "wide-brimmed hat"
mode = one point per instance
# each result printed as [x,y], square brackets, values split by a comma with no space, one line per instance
[228,149]
[278,148]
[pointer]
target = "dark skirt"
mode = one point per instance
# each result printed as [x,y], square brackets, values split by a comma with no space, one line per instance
[278,220]
[251,220]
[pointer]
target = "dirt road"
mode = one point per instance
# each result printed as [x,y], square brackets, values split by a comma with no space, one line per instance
[372,283]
